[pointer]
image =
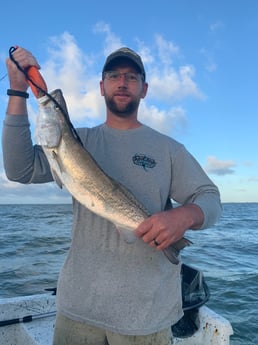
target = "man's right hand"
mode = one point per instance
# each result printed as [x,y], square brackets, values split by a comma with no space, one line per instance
[16,78]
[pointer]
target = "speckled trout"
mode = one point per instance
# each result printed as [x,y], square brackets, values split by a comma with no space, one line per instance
[74,168]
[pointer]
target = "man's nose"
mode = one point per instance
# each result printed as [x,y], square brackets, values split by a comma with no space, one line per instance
[123,81]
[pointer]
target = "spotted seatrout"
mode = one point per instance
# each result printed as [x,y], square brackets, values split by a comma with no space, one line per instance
[73,167]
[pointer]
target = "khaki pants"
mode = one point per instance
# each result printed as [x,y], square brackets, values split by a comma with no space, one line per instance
[69,332]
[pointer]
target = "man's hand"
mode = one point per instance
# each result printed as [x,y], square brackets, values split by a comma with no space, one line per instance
[164,228]
[25,59]
[17,80]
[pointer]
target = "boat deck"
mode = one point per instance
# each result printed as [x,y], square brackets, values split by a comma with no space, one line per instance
[213,330]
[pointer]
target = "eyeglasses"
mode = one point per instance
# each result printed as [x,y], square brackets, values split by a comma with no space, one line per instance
[130,77]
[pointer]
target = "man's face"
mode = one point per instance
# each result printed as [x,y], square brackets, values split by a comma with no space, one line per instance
[123,89]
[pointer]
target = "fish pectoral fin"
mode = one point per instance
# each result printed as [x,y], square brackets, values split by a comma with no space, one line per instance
[127,235]
[173,250]
[57,179]
[59,167]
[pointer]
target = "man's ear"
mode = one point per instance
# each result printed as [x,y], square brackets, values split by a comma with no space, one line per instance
[101,85]
[144,90]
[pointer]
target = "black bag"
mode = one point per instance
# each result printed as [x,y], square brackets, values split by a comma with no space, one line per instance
[195,293]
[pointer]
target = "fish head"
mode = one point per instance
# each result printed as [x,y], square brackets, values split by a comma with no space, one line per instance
[52,115]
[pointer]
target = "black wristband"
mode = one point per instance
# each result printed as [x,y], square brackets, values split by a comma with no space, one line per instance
[22,94]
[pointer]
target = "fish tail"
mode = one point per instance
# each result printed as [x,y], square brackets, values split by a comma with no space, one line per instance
[173,250]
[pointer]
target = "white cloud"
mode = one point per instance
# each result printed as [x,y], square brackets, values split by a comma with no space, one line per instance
[209,62]
[13,192]
[74,71]
[111,40]
[70,69]
[166,50]
[252,179]
[218,25]
[169,80]
[219,167]
[171,85]
[165,121]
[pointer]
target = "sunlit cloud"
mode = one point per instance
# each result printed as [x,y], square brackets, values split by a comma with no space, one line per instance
[70,69]
[74,71]
[171,85]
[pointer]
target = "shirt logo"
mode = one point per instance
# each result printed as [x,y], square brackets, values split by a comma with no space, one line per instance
[144,161]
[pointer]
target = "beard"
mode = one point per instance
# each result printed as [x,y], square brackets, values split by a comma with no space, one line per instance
[122,110]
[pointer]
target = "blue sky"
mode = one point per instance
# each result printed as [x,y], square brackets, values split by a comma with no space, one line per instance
[201,62]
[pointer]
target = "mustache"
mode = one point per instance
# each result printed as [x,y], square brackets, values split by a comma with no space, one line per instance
[122,93]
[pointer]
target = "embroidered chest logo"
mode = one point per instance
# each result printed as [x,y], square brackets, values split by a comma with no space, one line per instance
[144,161]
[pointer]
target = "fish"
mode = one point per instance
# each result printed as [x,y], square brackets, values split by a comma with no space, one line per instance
[74,167]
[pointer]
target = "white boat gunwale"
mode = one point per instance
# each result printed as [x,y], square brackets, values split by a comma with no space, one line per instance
[213,328]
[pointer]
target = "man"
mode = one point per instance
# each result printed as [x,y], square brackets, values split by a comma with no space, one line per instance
[109,291]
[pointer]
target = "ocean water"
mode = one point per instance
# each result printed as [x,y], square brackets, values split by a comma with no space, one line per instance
[34,240]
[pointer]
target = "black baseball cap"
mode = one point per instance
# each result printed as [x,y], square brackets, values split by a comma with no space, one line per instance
[124,53]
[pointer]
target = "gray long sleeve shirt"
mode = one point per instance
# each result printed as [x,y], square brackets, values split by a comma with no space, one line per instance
[127,288]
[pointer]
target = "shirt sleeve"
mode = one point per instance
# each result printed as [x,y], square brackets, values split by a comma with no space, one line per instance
[190,184]
[23,161]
